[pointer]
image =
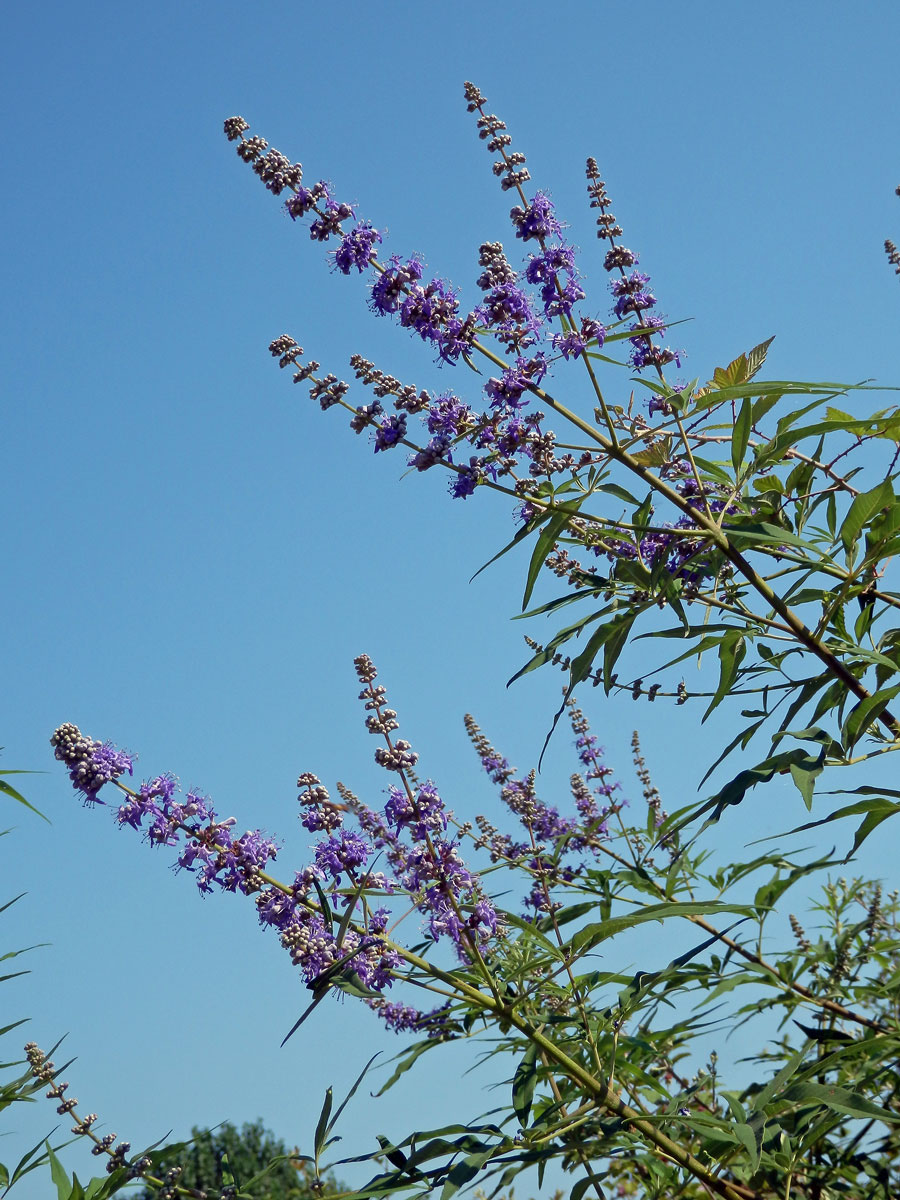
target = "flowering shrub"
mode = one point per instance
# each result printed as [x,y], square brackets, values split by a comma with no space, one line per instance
[751,521]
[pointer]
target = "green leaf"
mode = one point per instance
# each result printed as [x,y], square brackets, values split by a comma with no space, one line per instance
[863,509]
[741,435]
[523,1084]
[734,791]
[776,1084]
[757,356]
[59,1175]
[322,1125]
[768,895]
[874,812]
[600,931]
[334,1120]
[530,932]
[840,1100]
[8,790]
[614,489]
[863,714]
[578,1191]
[655,455]
[521,534]
[463,1171]
[406,1060]
[614,646]
[556,523]
[732,650]
[804,776]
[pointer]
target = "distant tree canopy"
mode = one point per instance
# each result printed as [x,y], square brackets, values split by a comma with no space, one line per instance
[215,1155]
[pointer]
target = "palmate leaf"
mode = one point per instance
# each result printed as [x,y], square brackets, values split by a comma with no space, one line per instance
[741,369]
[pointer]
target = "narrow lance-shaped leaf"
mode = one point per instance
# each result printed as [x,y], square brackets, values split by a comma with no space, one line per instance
[741,435]
[322,1124]
[545,542]
[524,1083]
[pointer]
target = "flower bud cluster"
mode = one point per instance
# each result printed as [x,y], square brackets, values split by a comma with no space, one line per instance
[510,168]
[90,763]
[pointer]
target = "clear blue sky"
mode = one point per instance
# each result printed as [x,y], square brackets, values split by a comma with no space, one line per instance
[194,553]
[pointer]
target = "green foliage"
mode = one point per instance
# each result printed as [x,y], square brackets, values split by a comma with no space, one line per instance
[251,1157]
[616,1076]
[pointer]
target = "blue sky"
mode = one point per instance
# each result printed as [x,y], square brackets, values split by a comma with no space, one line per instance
[195,553]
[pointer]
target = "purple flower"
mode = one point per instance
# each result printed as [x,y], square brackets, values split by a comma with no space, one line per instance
[305,199]
[343,854]
[432,312]
[537,220]
[505,306]
[619,256]
[561,303]
[465,480]
[402,1018]
[449,416]
[365,415]
[455,338]
[437,450]
[547,269]
[391,431]
[445,885]
[357,248]
[506,392]
[329,222]
[310,944]
[631,294]
[135,808]
[574,344]
[390,286]
[546,266]
[422,815]
[646,355]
